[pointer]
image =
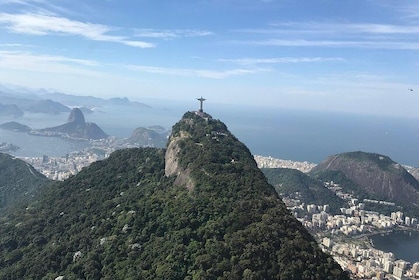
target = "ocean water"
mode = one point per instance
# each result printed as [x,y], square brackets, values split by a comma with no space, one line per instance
[286,134]
[312,136]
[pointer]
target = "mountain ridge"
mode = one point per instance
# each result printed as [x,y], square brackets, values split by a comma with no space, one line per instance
[125,218]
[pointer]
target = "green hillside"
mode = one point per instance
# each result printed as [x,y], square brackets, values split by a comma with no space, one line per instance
[201,209]
[372,176]
[19,181]
[290,182]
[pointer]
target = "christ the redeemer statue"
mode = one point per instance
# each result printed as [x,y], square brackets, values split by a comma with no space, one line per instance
[201,100]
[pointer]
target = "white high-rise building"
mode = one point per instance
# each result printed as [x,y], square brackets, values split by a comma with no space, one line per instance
[415,269]
[398,272]
[388,266]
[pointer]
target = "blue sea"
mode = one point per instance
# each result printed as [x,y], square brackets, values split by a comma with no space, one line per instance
[280,133]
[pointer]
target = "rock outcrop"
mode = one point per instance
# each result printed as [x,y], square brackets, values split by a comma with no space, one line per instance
[76,116]
[76,127]
[172,167]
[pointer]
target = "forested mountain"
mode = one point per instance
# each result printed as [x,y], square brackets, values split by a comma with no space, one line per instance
[296,184]
[147,137]
[19,182]
[376,175]
[200,209]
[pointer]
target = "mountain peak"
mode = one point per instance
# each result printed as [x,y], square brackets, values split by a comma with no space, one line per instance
[77,127]
[377,174]
[206,213]
[183,133]
[76,116]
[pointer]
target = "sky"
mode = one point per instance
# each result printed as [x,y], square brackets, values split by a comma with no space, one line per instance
[358,56]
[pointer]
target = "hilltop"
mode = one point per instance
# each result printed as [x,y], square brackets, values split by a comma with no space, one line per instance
[199,209]
[376,175]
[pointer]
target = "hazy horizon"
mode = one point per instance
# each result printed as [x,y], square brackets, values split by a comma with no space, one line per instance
[298,135]
[356,57]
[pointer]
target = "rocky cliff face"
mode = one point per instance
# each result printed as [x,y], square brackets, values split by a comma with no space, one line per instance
[172,167]
[377,174]
[76,116]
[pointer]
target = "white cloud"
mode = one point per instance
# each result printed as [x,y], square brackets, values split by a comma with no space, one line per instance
[22,2]
[138,44]
[337,34]
[14,45]
[42,24]
[202,73]
[404,9]
[26,61]
[337,43]
[278,60]
[380,28]
[171,34]
[337,28]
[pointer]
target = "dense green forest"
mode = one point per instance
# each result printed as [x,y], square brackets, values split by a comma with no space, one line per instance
[122,218]
[19,181]
[288,182]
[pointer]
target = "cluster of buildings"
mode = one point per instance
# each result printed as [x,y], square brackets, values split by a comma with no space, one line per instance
[7,147]
[345,236]
[355,220]
[370,263]
[60,168]
[270,162]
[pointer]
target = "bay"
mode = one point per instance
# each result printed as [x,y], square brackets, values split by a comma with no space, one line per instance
[403,244]
[38,146]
